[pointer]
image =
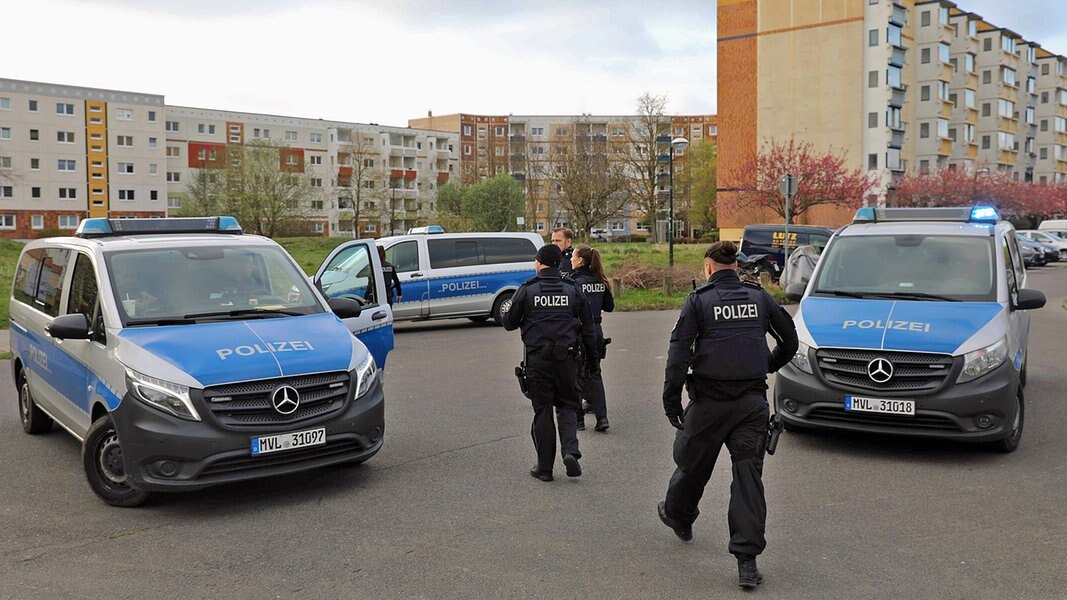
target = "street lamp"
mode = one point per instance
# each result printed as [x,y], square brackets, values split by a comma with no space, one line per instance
[677,144]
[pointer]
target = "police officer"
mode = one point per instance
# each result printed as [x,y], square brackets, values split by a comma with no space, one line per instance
[589,275]
[556,324]
[718,350]
[392,281]
[563,238]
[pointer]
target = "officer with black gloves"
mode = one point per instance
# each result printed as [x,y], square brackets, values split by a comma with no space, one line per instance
[556,324]
[719,351]
[589,275]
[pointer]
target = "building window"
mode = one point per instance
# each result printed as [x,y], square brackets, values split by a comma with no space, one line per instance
[66,165]
[986,109]
[872,37]
[151,142]
[1007,44]
[985,142]
[35,192]
[5,103]
[290,136]
[69,221]
[174,151]
[315,160]
[126,195]
[894,77]
[561,131]
[943,54]
[987,44]
[33,106]
[174,177]
[924,93]
[1006,109]
[924,167]
[872,79]
[124,141]
[370,228]
[1007,76]
[124,114]
[315,138]
[63,108]
[153,195]
[172,126]
[924,130]
[537,131]
[872,162]
[5,133]
[942,128]
[7,191]
[5,162]
[35,135]
[65,137]
[1044,154]
[925,18]
[152,116]
[7,221]
[35,164]
[125,168]
[68,193]
[316,182]
[153,169]
[37,221]
[466,130]
[924,55]
[499,131]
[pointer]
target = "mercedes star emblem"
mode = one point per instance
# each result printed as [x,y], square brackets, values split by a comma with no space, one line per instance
[285,400]
[880,370]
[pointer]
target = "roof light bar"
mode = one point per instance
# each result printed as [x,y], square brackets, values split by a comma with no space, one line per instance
[104,227]
[960,214]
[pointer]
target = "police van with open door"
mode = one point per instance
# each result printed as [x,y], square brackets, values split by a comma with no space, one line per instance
[183,353]
[914,322]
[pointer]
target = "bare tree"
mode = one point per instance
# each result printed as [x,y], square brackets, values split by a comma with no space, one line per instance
[205,193]
[649,138]
[273,190]
[362,177]
[593,186]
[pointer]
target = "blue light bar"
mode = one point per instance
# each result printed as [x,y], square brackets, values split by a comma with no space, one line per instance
[100,227]
[984,214]
[960,214]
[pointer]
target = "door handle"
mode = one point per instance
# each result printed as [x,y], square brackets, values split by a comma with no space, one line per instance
[414,275]
[378,316]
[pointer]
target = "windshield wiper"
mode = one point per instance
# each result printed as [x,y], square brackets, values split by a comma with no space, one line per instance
[168,321]
[915,296]
[246,312]
[841,293]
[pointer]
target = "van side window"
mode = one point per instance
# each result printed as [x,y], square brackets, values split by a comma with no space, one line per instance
[446,254]
[27,275]
[758,237]
[84,294]
[507,250]
[404,256]
[1016,259]
[466,253]
[50,288]
[351,275]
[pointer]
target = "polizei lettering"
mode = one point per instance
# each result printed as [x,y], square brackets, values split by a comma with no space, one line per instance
[594,288]
[890,325]
[460,286]
[264,348]
[736,312]
[551,300]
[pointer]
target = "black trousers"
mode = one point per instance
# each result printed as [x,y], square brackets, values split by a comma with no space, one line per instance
[593,387]
[553,385]
[742,425]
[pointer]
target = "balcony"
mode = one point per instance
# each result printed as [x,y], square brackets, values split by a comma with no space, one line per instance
[944,147]
[896,139]
[896,99]
[442,177]
[972,151]
[898,57]
[517,138]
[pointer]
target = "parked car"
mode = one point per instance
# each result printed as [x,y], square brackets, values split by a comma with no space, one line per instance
[1033,253]
[1053,224]
[1047,237]
[771,240]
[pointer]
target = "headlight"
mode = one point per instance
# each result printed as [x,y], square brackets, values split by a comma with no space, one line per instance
[801,360]
[366,373]
[168,397]
[982,361]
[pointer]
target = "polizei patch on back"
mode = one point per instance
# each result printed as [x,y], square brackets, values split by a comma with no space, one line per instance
[594,288]
[736,312]
[553,300]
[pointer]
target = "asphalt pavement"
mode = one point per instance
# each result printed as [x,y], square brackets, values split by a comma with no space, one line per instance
[447,509]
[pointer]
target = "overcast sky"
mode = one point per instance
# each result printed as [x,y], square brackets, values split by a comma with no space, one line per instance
[385,61]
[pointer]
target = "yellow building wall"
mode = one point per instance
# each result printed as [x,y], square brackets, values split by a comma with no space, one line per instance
[96,164]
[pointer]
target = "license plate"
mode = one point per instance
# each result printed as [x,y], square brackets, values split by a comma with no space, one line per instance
[876,405]
[265,444]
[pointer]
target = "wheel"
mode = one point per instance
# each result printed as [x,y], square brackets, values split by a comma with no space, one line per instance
[34,420]
[1010,443]
[498,307]
[479,319]
[105,468]
[1063,254]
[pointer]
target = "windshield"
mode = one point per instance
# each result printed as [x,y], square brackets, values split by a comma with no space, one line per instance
[918,267]
[186,284]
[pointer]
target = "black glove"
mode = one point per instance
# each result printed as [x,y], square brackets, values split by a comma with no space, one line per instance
[592,368]
[676,421]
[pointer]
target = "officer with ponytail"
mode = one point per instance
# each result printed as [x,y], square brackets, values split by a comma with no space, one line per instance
[718,351]
[588,273]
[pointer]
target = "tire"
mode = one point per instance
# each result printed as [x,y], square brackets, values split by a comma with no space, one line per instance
[1011,443]
[482,319]
[1022,374]
[34,420]
[498,306]
[104,466]
[1063,254]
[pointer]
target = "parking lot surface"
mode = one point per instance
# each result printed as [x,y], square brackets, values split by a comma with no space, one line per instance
[447,509]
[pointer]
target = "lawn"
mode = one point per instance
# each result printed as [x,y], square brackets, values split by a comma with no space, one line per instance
[9,258]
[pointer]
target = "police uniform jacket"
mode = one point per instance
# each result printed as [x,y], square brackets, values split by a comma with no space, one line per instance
[721,336]
[565,264]
[598,294]
[552,311]
[392,280]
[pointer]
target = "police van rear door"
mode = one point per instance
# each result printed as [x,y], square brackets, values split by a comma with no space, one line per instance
[353,270]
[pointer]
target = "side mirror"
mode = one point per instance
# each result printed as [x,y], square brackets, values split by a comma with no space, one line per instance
[795,291]
[345,308]
[76,327]
[1028,299]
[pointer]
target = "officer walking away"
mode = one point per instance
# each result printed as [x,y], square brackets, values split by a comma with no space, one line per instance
[589,275]
[718,350]
[563,238]
[556,324]
[392,281]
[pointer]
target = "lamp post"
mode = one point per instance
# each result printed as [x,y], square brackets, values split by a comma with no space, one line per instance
[677,144]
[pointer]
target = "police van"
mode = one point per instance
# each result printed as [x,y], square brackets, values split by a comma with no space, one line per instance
[183,353]
[914,322]
[447,275]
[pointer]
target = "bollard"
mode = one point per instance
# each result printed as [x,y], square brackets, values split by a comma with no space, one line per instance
[765,279]
[616,287]
[667,286]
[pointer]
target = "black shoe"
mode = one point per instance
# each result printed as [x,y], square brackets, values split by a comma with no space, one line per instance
[586,407]
[601,424]
[542,475]
[684,532]
[581,422]
[573,468]
[748,576]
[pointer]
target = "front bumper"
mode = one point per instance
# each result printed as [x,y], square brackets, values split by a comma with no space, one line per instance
[164,453]
[951,412]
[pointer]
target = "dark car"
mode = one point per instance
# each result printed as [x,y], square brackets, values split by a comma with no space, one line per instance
[770,239]
[1036,254]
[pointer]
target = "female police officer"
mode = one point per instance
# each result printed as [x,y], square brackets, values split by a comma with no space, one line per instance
[721,334]
[589,275]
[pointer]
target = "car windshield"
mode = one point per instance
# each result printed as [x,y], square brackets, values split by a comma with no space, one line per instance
[160,286]
[909,267]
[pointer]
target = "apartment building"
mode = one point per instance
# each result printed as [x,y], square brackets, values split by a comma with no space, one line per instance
[393,172]
[898,86]
[533,148]
[67,153]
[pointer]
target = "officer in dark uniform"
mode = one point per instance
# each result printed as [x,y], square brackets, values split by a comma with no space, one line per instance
[556,325]
[719,351]
[589,275]
[563,238]
[392,281]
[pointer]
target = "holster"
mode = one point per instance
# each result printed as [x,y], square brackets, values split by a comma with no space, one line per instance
[604,347]
[774,431]
[520,374]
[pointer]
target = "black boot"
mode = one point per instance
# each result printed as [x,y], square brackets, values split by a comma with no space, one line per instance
[573,468]
[542,475]
[684,532]
[748,576]
[602,424]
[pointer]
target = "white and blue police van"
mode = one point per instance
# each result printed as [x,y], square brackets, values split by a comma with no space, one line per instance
[448,275]
[914,322]
[183,353]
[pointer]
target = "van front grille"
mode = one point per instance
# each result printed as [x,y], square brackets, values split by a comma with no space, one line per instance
[912,372]
[248,405]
